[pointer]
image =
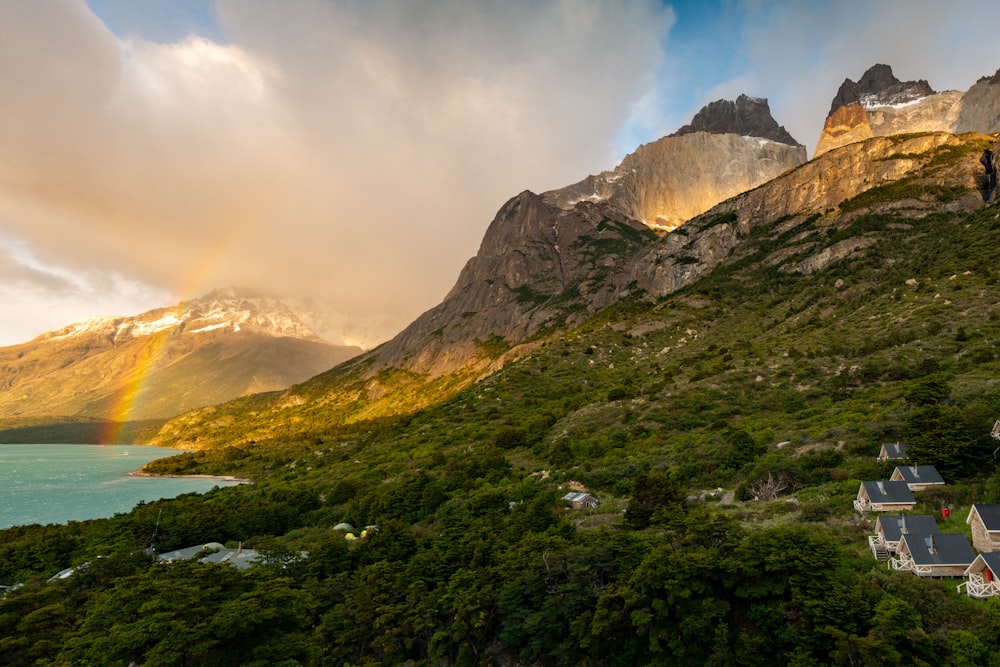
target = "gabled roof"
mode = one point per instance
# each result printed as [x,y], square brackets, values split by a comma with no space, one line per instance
[577,497]
[894,450]
[895,526]
[988,514]
[918,474]
[938,549]
[989,560]
[887,491]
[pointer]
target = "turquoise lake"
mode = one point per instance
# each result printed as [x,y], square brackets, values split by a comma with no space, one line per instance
[61,483]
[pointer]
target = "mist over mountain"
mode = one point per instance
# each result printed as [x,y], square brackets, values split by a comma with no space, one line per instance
[225,344]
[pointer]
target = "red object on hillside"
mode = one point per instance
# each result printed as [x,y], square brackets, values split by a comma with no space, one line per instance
[945,512]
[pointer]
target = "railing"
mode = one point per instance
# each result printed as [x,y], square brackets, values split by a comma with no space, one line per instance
[862,506]
[880,549]
[976,587]
[903,563]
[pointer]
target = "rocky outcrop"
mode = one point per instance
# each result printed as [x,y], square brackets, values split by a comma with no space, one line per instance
[747,117]
[539,267]
[980,107]
[846,125]
[880,105]
[729,148]
[818,187]
[878,87]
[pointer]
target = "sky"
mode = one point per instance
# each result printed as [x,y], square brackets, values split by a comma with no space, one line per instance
[351,153]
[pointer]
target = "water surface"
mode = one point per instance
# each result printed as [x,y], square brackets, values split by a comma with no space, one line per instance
[62,483]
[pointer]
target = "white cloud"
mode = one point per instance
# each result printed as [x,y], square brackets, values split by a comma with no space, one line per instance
[351,152]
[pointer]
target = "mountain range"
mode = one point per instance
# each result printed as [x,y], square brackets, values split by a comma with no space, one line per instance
[668,215]
[552,261]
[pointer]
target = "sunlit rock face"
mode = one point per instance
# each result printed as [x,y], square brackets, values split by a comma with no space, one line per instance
[729,147]
[979,110]
[816,188]
[880,105]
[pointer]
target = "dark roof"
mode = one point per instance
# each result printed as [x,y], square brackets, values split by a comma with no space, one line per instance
[887,491]
[894,450]
[992,560]
[990,514]
[949,549]
[919,474]
[894,524]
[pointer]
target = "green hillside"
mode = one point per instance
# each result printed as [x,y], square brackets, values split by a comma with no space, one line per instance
[725,429]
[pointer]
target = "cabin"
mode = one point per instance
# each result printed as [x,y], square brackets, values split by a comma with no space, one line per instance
[995,433]
[580,500]
[918,478]
[213,552]
[985,523]
[982,578]
[889,528]
[933,555]
[884,496]
[892,451]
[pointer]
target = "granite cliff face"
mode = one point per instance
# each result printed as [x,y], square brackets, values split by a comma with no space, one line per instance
[539,267]
[934,172]
[980,107]
[880,105]
[730,147]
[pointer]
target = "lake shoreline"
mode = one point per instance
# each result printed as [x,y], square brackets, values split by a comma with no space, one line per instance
[221,478]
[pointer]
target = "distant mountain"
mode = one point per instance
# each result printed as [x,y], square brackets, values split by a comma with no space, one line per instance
[881,105]
[155,365]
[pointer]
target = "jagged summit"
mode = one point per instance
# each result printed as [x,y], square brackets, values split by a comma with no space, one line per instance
[879,87]
[995,79]
[729,148]
[746,116]
[880,105]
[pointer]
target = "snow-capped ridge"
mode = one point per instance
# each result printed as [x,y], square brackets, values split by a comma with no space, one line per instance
[220,312]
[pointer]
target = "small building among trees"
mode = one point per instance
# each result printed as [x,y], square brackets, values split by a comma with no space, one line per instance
[918,478]
[934,555]
[984,520]
[884,496]
[892,451]
[580,500]
[889,528]
[982,578]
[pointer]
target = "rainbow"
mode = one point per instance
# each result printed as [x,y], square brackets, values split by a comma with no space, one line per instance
[124,406]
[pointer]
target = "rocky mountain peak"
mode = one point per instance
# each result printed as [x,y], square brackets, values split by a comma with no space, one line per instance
[995,79]
[238,308]
[879,87]
[746,116]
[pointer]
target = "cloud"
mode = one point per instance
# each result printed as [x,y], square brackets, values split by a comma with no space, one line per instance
[349,152]
[37,297]
[797,54]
